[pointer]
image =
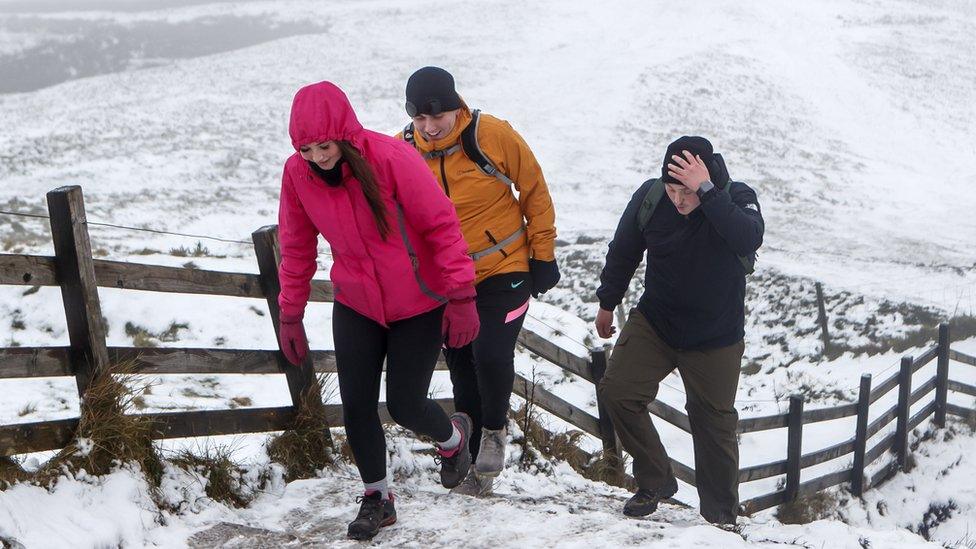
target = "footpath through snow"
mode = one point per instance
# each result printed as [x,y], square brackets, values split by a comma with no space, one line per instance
[530,509]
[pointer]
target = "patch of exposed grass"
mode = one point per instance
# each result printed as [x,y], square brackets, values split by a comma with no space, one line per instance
[197,251]
[307,447]
[192,392]
[602,467]
[11,472]
[143,337]
[224,478]
[107,435]
[27,410]
[238,402]
[936,514]
[808,508]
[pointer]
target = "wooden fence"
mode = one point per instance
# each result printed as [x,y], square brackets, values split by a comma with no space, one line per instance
[79,276]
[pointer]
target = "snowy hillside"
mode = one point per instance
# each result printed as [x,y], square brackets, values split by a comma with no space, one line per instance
[853,120]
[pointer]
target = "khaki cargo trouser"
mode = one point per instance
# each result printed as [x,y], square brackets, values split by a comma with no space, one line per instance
[639,362]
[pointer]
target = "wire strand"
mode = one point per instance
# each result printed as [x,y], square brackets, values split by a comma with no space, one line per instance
[24,214]
[562,332]
[157,231]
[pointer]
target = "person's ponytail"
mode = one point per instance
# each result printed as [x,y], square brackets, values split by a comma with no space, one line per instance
[367,180]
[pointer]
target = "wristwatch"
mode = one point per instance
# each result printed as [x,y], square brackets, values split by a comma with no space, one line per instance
[704,188]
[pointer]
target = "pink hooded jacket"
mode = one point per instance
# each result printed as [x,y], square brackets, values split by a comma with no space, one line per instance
[423,260]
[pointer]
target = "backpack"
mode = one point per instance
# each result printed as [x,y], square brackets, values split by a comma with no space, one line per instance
[469,144]
[656,192]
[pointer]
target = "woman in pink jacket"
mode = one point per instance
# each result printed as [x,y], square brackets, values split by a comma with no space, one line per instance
[402,278]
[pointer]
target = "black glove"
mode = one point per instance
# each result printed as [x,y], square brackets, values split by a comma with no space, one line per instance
[545,275]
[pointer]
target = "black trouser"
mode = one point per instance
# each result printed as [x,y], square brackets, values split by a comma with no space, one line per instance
[411,347]
[483,372]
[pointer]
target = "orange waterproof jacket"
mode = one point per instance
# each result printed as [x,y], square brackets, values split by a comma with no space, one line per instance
[489,210]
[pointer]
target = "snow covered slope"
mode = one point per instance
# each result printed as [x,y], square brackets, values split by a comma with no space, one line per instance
[853,120]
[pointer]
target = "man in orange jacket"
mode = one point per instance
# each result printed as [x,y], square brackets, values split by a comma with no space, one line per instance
[481,162]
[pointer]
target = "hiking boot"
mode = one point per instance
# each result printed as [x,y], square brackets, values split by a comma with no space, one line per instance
[491,457]
[374,513]
[475,485]
[724,520]
[645,501]
[456,462]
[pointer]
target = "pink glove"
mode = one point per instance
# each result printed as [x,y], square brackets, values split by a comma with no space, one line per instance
[291,337]
[461,322]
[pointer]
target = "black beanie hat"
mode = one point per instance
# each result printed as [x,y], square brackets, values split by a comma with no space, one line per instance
[430,90]
[695,145]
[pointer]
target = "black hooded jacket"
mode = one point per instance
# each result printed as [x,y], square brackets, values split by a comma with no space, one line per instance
[694,285]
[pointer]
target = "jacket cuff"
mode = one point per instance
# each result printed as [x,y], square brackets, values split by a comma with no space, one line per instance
[462,293]
[608,305]
[290,318]
[548,253]
[705,190]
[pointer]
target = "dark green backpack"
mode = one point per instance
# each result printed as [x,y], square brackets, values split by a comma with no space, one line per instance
[656,192]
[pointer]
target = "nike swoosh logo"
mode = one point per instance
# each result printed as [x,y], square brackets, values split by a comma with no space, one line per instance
[517,284]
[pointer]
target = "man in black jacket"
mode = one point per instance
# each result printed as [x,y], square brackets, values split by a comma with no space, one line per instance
[700,242]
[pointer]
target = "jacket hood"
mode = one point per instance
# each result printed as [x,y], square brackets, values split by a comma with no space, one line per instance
[321,112]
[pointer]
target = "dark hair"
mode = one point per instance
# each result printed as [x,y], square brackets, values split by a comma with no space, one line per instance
[367,180]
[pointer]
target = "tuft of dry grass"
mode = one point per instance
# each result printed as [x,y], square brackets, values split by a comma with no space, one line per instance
[307,447]
[609,468]
[107,436]
[602,467]
[808,508]
[27,410]
[239,401]
[224,477]
[11,472]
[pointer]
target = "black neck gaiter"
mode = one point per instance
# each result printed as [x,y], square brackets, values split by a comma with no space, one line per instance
[332,176]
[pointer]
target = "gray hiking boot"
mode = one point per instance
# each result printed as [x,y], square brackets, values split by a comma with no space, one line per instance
[475,485]
[491,456]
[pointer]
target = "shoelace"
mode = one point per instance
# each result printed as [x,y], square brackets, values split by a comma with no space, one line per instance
[371,505]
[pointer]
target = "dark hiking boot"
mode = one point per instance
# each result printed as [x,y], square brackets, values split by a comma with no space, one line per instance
[456,462]
[475,485]
[374,513]
[723,520]
[645,501]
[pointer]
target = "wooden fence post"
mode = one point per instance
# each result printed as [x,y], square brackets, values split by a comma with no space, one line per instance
[904,409]
[794,447]
[822,318]
[861,436]
[301,377]
[942,376]
[598,367]
[79,291]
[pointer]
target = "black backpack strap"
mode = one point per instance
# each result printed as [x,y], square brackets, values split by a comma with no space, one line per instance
[654,194]
[469,142]
[408,136]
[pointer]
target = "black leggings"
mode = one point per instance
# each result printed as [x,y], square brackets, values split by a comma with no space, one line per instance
[484,371]
[410,347]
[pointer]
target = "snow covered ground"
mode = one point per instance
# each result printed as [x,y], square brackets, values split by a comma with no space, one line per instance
[853,120]
[529,509]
